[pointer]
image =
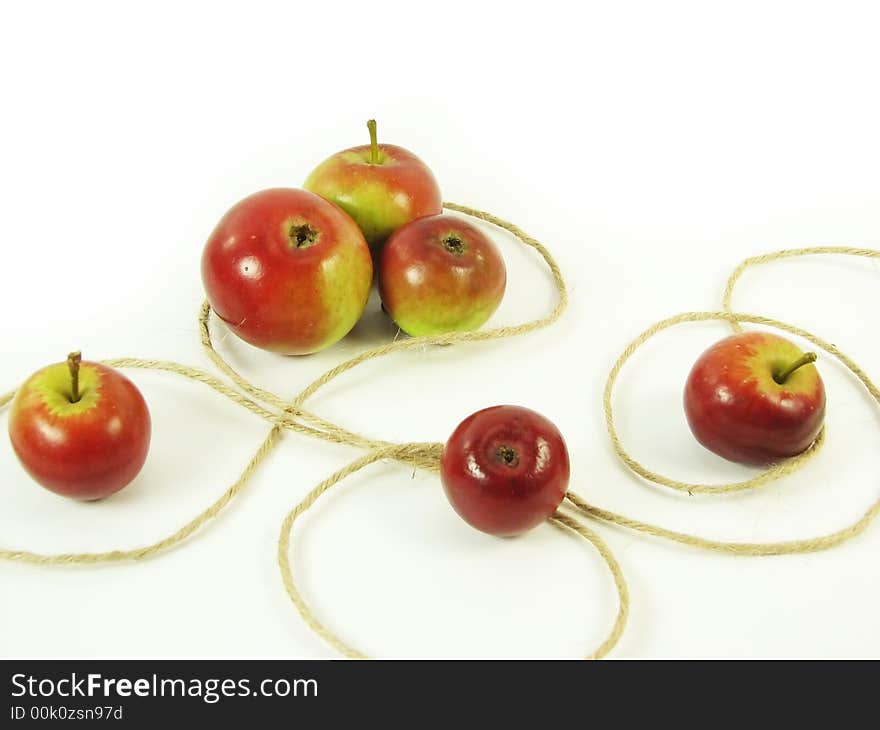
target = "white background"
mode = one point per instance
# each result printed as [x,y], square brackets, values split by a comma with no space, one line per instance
[651,146]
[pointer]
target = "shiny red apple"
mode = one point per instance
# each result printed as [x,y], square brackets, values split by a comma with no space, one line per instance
[81,429]
[755,398]
[381,186]
[441,274]
[287,271]
[505,469]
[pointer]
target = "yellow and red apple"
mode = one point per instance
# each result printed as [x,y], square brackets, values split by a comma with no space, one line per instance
[755,398]
[441,274]
[80,429]
[381,186]
[287,271]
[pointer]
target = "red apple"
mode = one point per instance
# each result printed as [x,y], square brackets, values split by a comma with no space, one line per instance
[505,470]
[287,271]
[81,429]
[381,186]
[755,398]
[441,274]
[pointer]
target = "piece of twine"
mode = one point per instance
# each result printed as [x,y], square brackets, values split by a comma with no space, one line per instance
[787,253]
[291,415]
[805,545]
[430,452]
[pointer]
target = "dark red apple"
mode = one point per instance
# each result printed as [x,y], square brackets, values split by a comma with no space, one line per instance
[505,470]
[287,271]
[441,274]
[755,398]
[381,186]
[81,429]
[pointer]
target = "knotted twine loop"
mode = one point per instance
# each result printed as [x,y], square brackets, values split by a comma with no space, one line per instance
[807,545]
[429,452]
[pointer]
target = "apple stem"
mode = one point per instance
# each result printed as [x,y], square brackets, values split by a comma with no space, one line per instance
[73,361]
[782,376]
[374,144]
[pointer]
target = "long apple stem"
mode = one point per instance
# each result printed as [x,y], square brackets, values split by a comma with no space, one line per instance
[784,375]
[374,143]
[73,361]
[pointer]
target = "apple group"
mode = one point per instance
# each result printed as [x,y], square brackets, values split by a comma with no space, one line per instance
[290,270]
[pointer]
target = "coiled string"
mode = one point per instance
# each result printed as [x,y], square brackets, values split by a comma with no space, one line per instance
[431,453]
[805,545]
[291,415]
[813,544]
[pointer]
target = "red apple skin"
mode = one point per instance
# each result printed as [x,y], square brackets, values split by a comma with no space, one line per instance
[736,408]
[379,197]
[441,274]
[85,450]
[276,288]
[505,470]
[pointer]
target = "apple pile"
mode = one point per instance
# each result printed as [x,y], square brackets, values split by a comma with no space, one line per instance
[291,270]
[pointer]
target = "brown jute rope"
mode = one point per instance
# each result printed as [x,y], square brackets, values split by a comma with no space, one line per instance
[291,415]
[295,406]
[823,542]
[430,451]
[774,472]
[279,421]
[206,515]
[813,544]
[787,253]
